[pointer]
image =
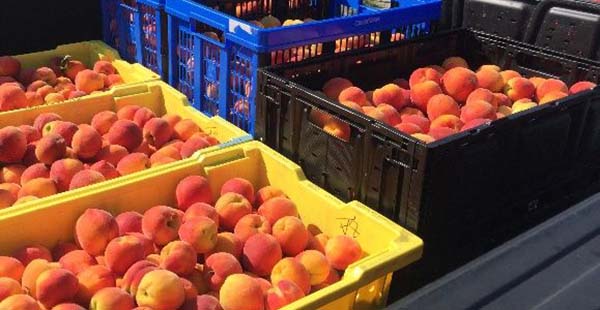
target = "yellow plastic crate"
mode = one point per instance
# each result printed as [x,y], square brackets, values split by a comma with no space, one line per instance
[364,285]
[89,52]
[157,96]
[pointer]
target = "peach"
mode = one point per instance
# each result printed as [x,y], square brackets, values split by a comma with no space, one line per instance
[55,286]
[161,223]
[168,151]
[68,306]
[45,74]
[178,257]
[240,186]
[490,79]
[337,128]
[192,145]
[32,272]
[316,264]
[208,302]
[342,251]
[508,75]
[482,94]
[442,104]
[122,252]
[198,280]
[231,207]
[130,221]
[504,110]
[160,289]
[265,285]
[9,66]
[132,273]
[267,193]
[519,88]
[352,105]
[132,163]
[31,133]
[458,83]
[251,224]
[390,114]
[423,122]
[477,109]
[537,81]
[317,242]
[291,235]
[447,120]
[112,153]
[185,129]
[421,93]
[501,100]
[12,97]
[64,129]
[353,94]
[127,112]
[62,172]
[13,173]
[193,189]
[333,87]
[393,95]
[142,116]
[94,229]
[28,253]
[39,187]
[63,248]
[547,86]
[125,133]
[112,80]
[45,118]
[50,148]
[76,261]
[19,302]
[157,132]
[261,252]
[331,278]
[54,98]
[423,137]
[276,208]
[84,178]
[86,142]
[111,298]
[72,67]
[439,133]
[424,74]
[190,293]
[13,144]
[489,67]
[139,276]
[44,91]
[89,81]
[11,267]
[147,243]
[453,62]
[581,86]
[283,293]
[104,67]
[106,169]
[291,270]
[240,291]
[201,209]
[34,99]
[218,267]
[228,243]
[102,121]
[474,123]
[9,287]
[551,96]
[35,85]
[29,157]
[7,199]
[200,232]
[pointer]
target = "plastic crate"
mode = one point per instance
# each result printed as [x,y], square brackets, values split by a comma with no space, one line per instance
[89,52]
[220,77]
[364,284]
[137,28]
[157,96]
[453,191]
[559,271]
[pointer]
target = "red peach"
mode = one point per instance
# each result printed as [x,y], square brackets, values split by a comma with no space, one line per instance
[11,267]
[421,93]
[94,229]
[127,112]
[112,298]
[62,172]
[229,243]
[132,163]
[459,82]
[450,121]
[185,129]
[208,302]
[519,88]
[112,153]
[261,252]
[508,75]
[45,74]
[157,132]
[125,133]
[581,86]
[13,144]
[251,224]
[19,302]
[50,148]
[342,251]
[122,252]
[40,188]
[9,287]
[76,261]
[12,97]
[548,86]
[200,232]
[9,66]
[55,286]
[192,145]
[86,142]
[84,178]
[291,270]
[477,109]
[276,208]
[490,79]
[267,193]
[193,189]
[333,87]
[218,267]
[291,235]
[423,122]
[129,221]
[161,223]
[31,133]
[105,168]
[240,186]
[240,291]
[282,294]
[391,94]
[64,129]
[442,104]
[424,74]
[104,67]
[102,121]
[89,81]
[143,115]
[179,257]
[353,94]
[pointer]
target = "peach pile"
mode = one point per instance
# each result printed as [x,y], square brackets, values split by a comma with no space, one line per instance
[52,155]
[63,78]
[242,250]
[439,101]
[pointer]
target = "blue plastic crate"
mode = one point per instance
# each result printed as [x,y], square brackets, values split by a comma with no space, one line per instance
[219,74]
[137,29]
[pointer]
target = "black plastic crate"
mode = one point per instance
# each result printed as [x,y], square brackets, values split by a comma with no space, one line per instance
[451,191]
[553,266]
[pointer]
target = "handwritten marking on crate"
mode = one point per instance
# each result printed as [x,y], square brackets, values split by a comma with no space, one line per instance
[349,225]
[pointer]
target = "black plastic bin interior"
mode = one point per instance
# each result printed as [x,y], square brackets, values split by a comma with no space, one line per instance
[455,191]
